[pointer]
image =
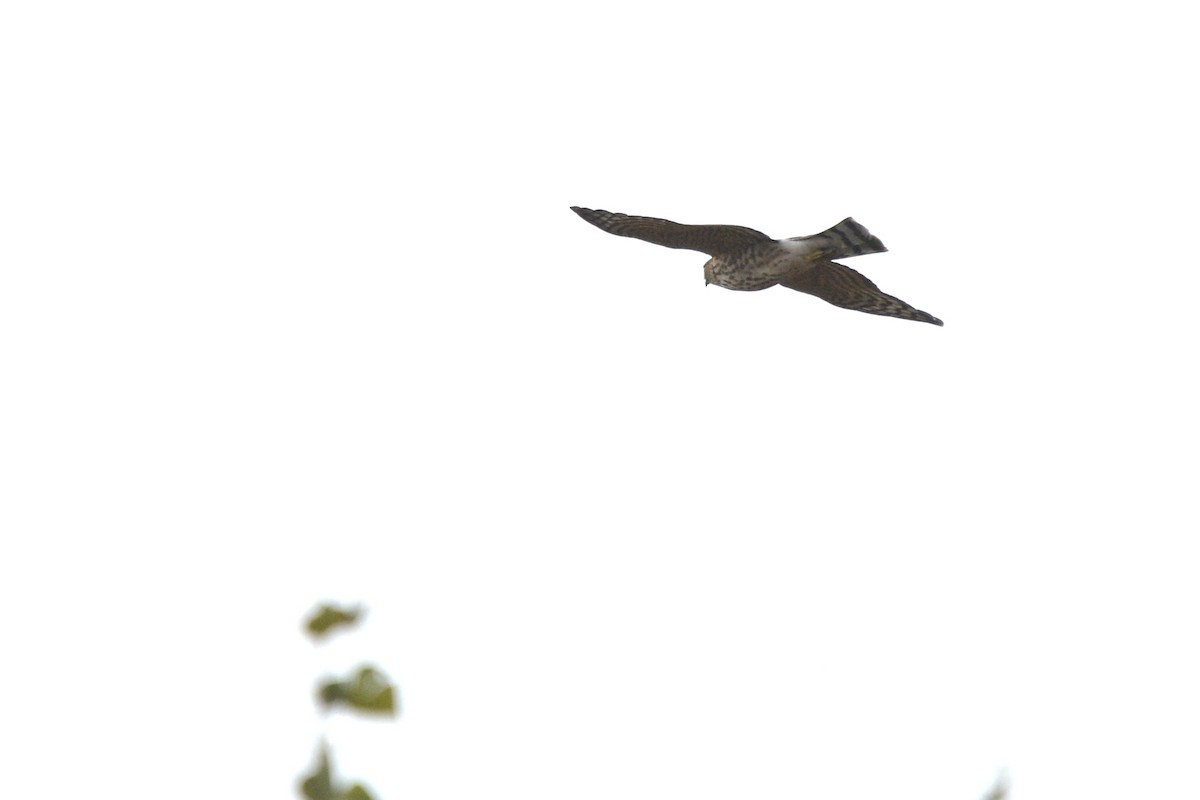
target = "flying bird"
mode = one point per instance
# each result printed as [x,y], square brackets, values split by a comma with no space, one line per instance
[746,260]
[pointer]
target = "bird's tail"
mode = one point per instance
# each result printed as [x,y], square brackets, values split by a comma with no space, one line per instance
[845,239]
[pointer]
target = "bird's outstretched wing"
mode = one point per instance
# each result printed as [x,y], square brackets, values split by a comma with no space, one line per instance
[711,239]
[838,284]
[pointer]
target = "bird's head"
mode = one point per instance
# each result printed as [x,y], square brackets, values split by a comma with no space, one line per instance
[708,273]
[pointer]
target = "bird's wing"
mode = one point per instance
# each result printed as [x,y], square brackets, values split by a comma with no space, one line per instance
[711,239]
[838,284]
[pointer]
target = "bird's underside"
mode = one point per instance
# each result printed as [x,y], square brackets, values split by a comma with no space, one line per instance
[746,260]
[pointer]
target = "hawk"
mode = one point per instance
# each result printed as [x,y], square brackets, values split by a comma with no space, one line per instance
[747,260]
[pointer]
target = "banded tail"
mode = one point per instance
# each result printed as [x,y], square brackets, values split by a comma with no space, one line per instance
[846,239]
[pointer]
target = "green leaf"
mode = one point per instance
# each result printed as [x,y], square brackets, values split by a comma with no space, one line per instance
[328,618]
[319,784]
[357,792]
[367,691]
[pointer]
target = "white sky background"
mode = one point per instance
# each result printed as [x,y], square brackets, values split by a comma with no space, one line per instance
[293,307]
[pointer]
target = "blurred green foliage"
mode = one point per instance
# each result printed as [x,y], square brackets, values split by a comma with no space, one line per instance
[320,784]
[328,618]
[368,691]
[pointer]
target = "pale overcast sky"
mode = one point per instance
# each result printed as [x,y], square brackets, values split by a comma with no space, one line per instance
[292,307]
